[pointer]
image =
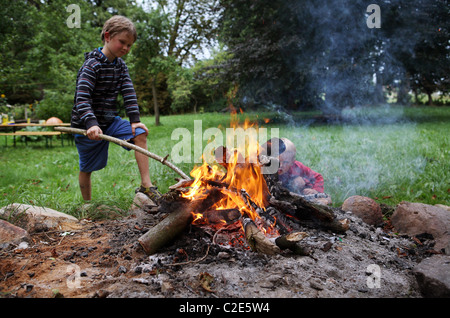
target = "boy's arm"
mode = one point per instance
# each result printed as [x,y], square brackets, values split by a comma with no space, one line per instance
[318,184]
[129,97]
[314,179]
[83,95]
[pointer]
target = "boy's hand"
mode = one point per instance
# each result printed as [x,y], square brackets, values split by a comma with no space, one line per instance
[93,133]
[138,125]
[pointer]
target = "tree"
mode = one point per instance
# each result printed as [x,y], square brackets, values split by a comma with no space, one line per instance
[303,54]
[19,79]
[210,86]
[42,52]
[293,53]
[171,36]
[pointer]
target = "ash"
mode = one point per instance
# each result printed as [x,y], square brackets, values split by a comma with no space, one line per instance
[365,262]
[205,262]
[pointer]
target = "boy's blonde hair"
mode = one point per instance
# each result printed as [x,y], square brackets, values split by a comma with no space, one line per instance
[118,24]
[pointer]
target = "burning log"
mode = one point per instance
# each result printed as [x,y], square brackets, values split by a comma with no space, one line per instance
[225,216]
[180,217]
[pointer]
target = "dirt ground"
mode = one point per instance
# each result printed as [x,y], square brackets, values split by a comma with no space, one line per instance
[104,259]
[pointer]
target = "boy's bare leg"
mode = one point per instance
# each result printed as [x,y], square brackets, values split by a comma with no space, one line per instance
[142,161]
[84,179]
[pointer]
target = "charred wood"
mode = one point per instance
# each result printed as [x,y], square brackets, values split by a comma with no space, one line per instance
[291,241]
[227,216]
[273,216]
[257,241]
[307,212]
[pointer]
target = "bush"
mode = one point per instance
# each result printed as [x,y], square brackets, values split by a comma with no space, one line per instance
[55,104]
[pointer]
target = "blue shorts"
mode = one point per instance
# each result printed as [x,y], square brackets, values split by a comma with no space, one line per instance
[94,153]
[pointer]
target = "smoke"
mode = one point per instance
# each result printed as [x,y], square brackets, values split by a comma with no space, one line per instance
[343,69]
[370,146]
[360,159]
[341,66]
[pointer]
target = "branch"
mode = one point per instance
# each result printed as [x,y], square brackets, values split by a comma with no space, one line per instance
[124,143]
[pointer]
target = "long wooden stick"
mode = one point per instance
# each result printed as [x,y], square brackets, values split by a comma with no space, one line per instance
[128,145]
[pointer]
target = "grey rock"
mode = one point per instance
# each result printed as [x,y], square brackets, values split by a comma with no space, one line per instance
[433,276]
[417,218]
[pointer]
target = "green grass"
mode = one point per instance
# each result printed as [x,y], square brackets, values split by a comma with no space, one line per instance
[392,160]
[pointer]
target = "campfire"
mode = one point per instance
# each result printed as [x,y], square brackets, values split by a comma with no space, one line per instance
[234,194]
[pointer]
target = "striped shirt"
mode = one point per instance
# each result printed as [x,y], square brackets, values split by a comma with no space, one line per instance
[99,82]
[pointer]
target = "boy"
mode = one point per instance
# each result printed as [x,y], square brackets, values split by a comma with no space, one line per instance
[294,175]
[99,81]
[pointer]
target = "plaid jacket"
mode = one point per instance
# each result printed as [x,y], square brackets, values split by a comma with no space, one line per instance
[313,180]
[98,84]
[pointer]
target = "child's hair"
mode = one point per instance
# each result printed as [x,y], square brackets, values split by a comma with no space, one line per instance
[118,24]
[270,144]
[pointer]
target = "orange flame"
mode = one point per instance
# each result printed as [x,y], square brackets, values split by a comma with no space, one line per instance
[240,173]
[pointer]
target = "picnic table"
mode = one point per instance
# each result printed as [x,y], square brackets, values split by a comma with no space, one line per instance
[14,129]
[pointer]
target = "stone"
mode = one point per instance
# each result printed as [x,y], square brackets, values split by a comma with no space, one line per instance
[11,234]
[433,276]
[35,219]
[446,207]
[418,218]
[166,287]
[365,208]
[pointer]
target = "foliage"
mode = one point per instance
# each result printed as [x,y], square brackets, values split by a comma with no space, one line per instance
[287,55]
[421,47]
[55,104]
[4,108]
[180,86]
[171,36]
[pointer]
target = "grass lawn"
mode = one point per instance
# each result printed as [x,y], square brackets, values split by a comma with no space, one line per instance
[405,156]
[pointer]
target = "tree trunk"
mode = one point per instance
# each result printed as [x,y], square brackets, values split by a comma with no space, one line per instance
[430,99]
[155,101]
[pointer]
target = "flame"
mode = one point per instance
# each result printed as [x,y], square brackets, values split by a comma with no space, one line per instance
[197,216]
[239,178]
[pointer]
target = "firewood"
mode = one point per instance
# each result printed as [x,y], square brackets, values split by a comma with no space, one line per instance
[257,240]
[308,213]
[168,229]
[181,184]
[227,216]
[179,218]
[291,241]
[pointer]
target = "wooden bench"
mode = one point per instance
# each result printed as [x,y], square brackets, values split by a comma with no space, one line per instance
[33,133]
